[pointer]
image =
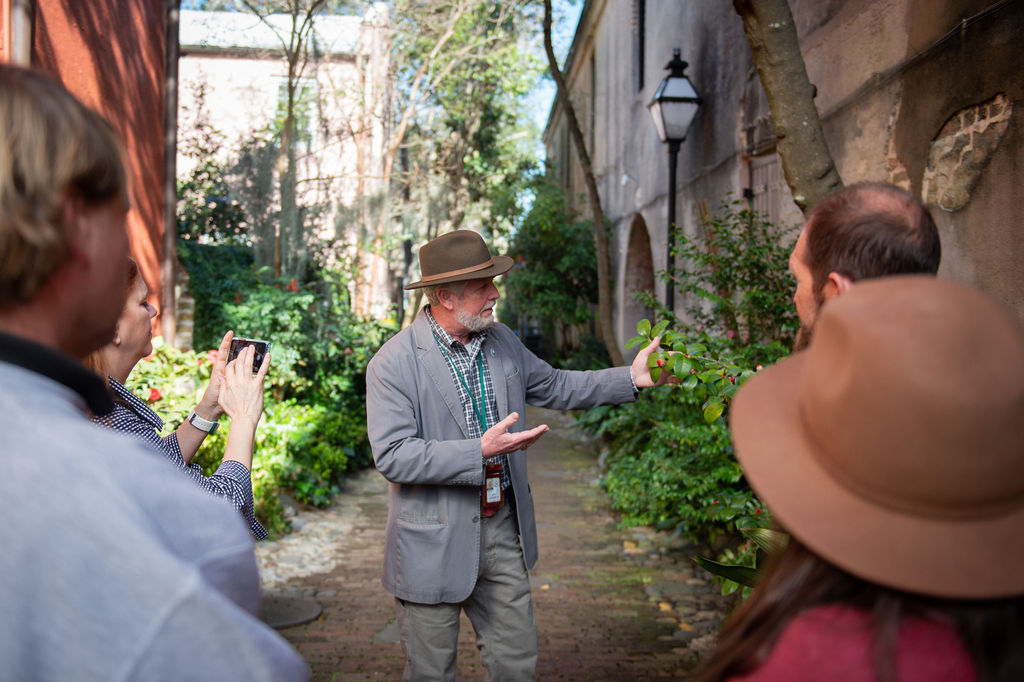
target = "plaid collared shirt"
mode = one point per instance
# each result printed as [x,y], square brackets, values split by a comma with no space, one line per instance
[463,358]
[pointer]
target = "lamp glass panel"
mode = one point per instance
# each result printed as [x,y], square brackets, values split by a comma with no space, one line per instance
[679,87]
[659,124]
[677,118]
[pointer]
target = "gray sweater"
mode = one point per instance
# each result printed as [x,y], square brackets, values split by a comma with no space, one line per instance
[112,565]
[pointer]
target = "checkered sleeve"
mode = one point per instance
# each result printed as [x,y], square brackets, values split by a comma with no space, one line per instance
[232,481]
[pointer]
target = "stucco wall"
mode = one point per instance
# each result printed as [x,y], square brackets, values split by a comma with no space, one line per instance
[630,162]
[927,95]
[922,93]
[240,97]
[235,87]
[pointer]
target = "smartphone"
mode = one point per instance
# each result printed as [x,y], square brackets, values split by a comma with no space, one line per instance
[260,348]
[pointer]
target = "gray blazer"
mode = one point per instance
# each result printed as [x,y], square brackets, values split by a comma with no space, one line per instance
[420,443]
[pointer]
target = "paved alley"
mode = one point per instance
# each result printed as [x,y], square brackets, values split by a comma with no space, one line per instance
[611,604]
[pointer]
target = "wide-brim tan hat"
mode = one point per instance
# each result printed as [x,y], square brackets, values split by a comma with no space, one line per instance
[458,256]
[893,446]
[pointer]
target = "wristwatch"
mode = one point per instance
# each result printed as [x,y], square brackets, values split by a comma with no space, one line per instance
[202,424]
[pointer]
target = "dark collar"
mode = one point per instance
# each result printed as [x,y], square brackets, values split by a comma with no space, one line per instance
[59,367]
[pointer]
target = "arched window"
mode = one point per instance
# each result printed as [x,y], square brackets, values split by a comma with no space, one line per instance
[639,276]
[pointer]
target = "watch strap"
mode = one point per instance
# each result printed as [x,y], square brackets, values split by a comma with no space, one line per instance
[202,424]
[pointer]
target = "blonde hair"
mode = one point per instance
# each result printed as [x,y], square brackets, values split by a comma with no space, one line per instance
[51,148]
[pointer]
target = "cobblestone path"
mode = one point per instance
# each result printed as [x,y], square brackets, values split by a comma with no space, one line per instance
[611,604]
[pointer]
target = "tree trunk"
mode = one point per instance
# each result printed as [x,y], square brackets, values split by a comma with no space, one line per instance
[604,298]
[289,234]
[810,172]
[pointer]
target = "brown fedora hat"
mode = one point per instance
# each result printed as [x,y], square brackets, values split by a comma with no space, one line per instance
[893,446]
[458,256]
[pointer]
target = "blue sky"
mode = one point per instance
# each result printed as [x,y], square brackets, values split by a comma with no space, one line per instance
[565,16]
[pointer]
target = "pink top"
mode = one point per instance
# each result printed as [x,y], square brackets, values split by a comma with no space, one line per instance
[835,643]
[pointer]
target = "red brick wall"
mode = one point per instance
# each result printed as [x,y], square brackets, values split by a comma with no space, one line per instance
[110,54]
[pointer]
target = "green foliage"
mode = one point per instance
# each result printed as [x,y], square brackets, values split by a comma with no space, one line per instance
[736,276]
[669,469]
[314,426]
[172,381]
[711,367]
[218,276]
[745,561]
[335,443]
[742,316]
[554,283]
[556,268]
[737,573]
[672,464]
[464,72]
[305,449]
[320,348]
[207,208]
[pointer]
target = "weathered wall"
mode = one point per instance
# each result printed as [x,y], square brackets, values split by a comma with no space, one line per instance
[922,93]
[110,54]
[630,162]
[927,95]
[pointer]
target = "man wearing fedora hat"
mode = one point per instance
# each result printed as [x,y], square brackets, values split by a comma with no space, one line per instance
[862,231]
[445,399]
[891,451]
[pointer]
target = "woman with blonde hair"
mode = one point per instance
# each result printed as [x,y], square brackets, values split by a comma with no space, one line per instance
[891,451]
[232,390]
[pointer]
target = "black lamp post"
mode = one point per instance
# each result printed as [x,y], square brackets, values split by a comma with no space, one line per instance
[673,108]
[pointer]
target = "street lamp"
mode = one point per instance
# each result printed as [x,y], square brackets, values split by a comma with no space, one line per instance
[673,108]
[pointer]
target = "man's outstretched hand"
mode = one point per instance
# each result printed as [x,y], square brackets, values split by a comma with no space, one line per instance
[498,441]
[642,373]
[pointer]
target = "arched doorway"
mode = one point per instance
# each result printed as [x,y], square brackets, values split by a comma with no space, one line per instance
[638,276]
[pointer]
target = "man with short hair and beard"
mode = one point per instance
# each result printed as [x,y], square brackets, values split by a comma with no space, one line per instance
[862,231]
[444,401]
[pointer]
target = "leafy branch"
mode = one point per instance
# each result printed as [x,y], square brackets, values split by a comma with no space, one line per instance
[698,367]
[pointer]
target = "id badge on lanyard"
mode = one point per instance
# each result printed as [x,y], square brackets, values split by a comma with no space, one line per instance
[493,496]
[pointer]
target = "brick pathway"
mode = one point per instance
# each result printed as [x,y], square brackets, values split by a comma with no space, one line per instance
[610,604]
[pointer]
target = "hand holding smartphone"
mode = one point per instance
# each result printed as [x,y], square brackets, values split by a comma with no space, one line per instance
[260,349]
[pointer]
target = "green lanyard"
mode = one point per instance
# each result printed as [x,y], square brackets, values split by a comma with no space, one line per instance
[480,411]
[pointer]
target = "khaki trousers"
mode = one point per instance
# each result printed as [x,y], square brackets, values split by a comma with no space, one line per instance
[499,608]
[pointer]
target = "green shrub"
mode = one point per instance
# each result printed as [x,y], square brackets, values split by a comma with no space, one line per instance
[304,449]
[334,444]
[671,463]
[218,275]
[735,278]
[668,469]
[320,347]
[554,283]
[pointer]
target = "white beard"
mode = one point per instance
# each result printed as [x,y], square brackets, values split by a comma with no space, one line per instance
[474,323]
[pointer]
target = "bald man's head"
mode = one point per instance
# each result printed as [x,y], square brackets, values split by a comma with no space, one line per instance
[862,231]
[871,230]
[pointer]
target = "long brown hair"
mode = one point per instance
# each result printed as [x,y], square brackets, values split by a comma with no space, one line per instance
[796,579]
[94,360]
